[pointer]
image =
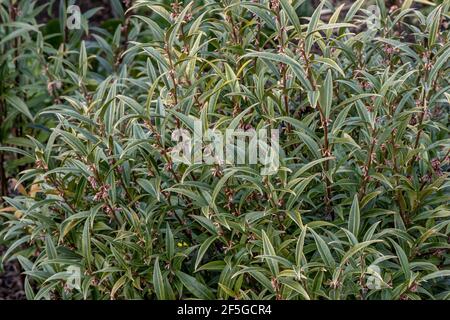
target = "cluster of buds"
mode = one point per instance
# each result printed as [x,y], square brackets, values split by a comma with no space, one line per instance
[229,193]
[366,85]
[390,50]
[102,193]
[218,228]
[53,85]
[365,170]
[275,284]
[168,166]
[228,247]
[93,182]
[127,3]
[427,61]
[369,108]
[185,50]
[393,8]
[67,288]
[413,287]
[275,5]
[216,171]
[280,49]
[176,9]
[281,203]
[436,165]
[334,284]
[426,178]
[41,165]
[254,15]
[110,211]
[300,50]
[247,127]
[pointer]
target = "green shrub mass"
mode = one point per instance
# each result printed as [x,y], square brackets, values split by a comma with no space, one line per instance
[358,208]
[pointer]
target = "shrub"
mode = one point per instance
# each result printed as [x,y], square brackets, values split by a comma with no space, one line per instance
[358,208]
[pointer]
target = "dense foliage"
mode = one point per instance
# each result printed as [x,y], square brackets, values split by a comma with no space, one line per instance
[357,210]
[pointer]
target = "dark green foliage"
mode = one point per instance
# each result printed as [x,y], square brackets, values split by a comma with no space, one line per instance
[357,210]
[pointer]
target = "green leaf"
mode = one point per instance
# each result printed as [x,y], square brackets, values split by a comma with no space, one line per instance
[296,67]
[202,250]
[313,23]
[118,284]
[86,243]
[294,285]
[326,95]
[198,289]
[269,251]
[404,263]
[170,242]
[300,245]
[324,250]
[354,217]
[436,274]
[158,281]
[331,63]
[20,106]
[292,15]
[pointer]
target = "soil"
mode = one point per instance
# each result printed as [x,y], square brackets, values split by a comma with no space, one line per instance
[11,280]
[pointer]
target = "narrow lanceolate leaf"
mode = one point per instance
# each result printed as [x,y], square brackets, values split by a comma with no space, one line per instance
[326,95]
[197,288]
[354,218]
[83,61]
[292,15]
[117,285]
[436,274]
[441,61]
[403,259]
[202,250]
[300,246]
[178,25]
[331,63]
[94,159]
[158,281]
[86,243]
[324,250]
[296,286]
[170,242]
[313,23]
[434,27]
[20,106]
[268,250]
[353,10]
[296,67]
